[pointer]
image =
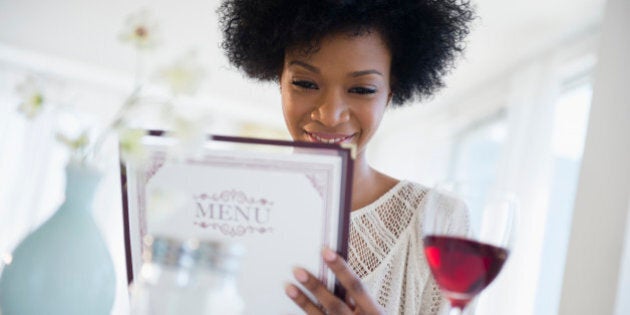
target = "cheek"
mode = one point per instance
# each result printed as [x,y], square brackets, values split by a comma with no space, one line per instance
[294,112]
[294,105]
[288,107]
[370,119]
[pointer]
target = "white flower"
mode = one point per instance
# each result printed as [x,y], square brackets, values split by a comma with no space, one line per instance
[31,96]
[131,148]
[77,145]
[140,30]
[183,76]
[188,129]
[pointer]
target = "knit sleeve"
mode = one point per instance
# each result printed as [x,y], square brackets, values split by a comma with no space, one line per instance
[452,214]
[432,299]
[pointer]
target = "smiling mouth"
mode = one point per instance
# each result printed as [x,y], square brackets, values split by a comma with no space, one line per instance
[328,138]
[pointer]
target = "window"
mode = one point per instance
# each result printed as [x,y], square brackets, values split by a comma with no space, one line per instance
[477,150]
[569,131]
[533,144]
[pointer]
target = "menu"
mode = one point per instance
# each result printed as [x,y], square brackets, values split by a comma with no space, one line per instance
[281,201]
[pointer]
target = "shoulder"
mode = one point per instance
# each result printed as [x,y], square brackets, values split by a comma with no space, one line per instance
[391,187]
[447,210]
[414,193]
[401,199]
[403,196]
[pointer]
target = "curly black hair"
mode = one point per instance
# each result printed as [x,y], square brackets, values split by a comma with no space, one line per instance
[424,36]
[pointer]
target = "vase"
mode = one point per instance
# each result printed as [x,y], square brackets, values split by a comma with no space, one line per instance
[64,266]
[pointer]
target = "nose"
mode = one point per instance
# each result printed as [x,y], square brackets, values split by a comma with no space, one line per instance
[331,109]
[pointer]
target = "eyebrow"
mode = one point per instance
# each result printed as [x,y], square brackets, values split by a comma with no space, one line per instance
[316,70]
[365,72]
[304,65]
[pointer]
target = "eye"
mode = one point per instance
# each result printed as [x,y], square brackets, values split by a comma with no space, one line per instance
[362,90]
[305,84]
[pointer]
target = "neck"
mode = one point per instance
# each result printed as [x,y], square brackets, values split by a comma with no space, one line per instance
[367,183]
[362,172]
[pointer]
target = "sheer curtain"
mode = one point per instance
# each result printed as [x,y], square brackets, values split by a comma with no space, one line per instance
[28,190]
[525,170]
[537,140]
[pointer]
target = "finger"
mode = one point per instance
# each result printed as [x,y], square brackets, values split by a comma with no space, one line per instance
[331,303]
[351,282]
[299,298]
[350,301]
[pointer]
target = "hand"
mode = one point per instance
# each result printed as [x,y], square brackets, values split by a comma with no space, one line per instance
[359,301]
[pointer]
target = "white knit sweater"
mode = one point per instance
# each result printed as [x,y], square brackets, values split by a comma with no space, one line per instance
[386,251]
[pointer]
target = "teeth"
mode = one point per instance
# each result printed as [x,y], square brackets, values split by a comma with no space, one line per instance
[333,140]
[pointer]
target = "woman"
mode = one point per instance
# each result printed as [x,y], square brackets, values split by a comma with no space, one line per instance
[339,65]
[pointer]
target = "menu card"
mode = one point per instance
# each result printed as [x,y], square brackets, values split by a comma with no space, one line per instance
[281,201]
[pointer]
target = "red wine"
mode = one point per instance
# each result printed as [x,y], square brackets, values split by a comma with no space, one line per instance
[462,267]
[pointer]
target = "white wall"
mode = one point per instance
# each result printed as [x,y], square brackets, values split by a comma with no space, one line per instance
[592,271]
[623,292]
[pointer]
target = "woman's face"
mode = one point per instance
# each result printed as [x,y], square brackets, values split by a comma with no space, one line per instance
[337,94]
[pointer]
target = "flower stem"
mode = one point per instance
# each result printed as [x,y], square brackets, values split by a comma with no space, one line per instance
[119,117]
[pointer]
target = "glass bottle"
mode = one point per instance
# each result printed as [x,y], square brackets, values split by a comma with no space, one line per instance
[187,277]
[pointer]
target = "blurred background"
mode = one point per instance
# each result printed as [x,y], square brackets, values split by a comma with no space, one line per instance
[515,111]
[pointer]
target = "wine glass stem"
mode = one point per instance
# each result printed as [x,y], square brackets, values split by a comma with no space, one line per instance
[456,311]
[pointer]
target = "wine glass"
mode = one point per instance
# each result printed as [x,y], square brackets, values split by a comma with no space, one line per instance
[467,234]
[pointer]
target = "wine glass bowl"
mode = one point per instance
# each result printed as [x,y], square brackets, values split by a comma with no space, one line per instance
[467,233]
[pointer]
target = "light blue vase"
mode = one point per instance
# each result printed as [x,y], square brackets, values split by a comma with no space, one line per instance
[64,266]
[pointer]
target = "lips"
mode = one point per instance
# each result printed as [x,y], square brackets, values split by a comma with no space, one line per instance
[333,138]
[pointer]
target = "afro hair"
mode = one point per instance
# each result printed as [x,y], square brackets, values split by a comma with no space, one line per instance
[424,36]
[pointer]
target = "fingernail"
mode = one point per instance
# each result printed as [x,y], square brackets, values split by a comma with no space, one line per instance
[300,274]
[350,300]
[329,255]
[291,291]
